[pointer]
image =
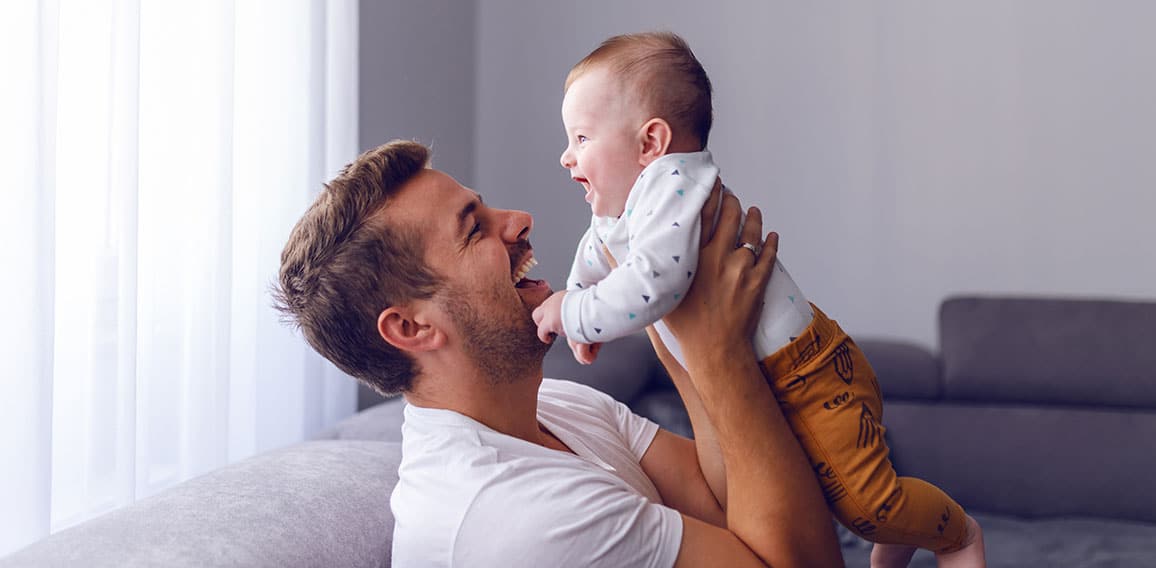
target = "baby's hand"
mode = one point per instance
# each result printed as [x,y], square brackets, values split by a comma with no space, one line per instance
[548,317]
[584,353]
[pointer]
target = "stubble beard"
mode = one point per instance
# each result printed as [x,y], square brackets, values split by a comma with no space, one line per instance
[503,344]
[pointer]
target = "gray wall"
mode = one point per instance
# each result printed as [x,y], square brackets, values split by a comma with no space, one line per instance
[417,77]
[905,151]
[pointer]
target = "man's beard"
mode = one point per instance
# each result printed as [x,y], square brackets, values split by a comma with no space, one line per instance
[504,345]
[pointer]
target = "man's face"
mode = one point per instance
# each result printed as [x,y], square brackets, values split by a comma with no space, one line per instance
[483,254]
[603,148]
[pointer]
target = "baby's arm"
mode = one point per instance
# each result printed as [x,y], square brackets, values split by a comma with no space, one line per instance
[590,263]
[656,269]
[548,318]
[590,266]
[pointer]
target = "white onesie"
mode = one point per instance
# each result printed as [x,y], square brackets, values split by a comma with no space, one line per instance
[656,243]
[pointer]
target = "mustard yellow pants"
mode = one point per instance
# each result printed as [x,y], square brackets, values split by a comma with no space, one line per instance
[829,395]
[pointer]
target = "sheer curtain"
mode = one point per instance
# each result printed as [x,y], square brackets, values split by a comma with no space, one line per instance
[153,158]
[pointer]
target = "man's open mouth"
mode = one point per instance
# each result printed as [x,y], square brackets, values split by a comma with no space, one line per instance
[520,280]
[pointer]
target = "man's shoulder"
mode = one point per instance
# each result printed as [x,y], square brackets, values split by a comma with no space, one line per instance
[570,397]
[452,498]
[565,388]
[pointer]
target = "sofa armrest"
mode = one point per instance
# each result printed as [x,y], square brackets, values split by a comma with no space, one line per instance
[312,504]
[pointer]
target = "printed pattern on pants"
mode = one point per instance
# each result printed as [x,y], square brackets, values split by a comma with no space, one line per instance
[831,398]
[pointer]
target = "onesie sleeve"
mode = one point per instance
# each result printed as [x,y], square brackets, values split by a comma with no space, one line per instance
[661,257]
[590,264]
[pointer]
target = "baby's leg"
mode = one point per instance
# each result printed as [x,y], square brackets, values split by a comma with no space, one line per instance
[891,555]
[899,555]
[971,555]
[830,397]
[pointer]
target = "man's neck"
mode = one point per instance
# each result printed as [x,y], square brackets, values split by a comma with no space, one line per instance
[509,406]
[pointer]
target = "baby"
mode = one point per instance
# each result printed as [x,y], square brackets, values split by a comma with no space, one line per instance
[637,114]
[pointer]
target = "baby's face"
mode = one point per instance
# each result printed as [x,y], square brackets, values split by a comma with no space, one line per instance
[604,143]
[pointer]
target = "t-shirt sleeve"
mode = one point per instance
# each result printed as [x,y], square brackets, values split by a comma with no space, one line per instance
[567,517]
[638,431]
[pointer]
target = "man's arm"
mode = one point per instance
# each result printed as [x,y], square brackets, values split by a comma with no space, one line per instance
[704,449]
[775,513]
[705,445]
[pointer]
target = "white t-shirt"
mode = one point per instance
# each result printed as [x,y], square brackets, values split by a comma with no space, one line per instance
[471,496]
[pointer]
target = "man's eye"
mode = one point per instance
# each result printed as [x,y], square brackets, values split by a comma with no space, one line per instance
[474,231]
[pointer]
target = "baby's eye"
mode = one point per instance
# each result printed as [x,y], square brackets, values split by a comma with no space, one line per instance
[581,138]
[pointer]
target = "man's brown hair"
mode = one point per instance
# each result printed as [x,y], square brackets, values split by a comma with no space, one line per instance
[342,266]
[660,70]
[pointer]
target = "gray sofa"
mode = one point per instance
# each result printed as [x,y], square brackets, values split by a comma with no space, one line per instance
[1038,415]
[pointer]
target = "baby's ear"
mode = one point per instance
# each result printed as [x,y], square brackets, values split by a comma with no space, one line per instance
[655,136]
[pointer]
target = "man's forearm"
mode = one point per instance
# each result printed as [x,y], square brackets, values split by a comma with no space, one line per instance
[710,458]
[774,503]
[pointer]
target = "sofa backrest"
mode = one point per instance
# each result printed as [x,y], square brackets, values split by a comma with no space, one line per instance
[1078,352]
[1047,408]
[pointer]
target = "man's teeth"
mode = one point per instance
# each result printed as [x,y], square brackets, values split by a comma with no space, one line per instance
[526,266]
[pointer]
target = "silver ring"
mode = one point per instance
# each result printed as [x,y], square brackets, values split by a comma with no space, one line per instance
[754,249]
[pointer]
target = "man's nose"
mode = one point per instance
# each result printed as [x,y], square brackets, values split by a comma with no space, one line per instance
[517,226]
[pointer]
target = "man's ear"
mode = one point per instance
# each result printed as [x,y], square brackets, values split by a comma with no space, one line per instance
[407,328]
[655,136]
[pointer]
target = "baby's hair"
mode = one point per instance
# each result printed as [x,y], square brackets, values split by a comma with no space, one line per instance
[662,72]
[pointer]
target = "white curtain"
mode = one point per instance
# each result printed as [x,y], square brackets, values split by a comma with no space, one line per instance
[153,158]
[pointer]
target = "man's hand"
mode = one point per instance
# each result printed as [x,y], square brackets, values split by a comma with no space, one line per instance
[724,302]
[773,502]
[548,317]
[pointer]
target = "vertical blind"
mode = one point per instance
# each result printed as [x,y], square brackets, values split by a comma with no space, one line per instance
[153,158]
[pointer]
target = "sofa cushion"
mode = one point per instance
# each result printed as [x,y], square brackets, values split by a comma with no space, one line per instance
[313,504]
[1056,543]
[1029,461]
[1050,350]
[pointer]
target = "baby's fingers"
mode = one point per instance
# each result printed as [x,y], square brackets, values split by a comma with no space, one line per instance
[545,335]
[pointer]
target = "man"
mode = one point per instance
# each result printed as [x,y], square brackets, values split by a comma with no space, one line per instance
[408,281]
